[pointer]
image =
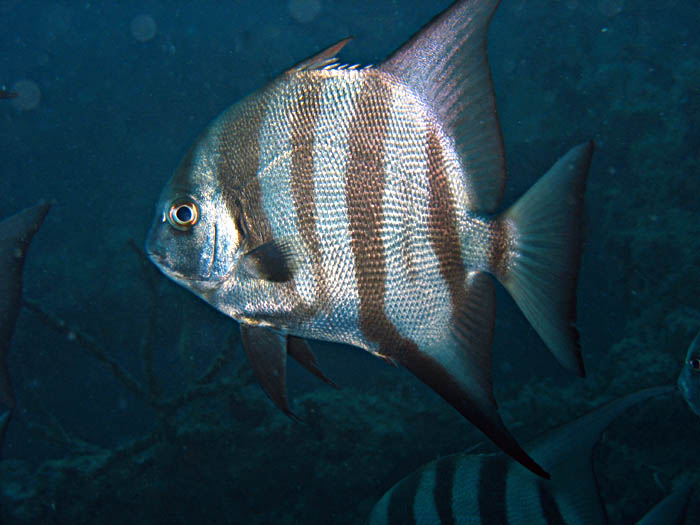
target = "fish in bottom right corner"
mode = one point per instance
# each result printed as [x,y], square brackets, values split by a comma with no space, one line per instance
[493,488]
[689,379]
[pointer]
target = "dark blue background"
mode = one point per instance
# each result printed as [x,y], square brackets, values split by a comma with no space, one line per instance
[117,114]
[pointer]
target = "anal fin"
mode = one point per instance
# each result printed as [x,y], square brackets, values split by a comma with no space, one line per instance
[459,367]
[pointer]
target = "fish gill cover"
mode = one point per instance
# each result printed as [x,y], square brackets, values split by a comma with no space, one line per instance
[134,401]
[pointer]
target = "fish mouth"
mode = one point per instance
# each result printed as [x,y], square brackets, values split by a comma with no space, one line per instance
[202,285]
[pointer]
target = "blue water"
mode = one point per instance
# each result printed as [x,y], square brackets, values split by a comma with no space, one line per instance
[120,100]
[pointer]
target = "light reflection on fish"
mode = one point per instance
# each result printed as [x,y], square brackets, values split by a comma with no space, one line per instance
[689,379]
[355,205]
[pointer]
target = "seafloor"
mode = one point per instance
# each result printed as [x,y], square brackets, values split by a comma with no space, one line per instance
[141,407]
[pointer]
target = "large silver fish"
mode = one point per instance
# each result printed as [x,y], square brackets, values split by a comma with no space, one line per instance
[491,488]
[355,205]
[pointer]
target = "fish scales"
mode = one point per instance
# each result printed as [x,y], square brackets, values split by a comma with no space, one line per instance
[356,206]
[355,152]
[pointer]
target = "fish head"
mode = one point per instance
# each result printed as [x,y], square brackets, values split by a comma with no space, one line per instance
[689,379]
[193,239]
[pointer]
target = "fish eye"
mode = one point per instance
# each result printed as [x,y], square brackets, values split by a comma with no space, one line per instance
[694,363]
[183,214]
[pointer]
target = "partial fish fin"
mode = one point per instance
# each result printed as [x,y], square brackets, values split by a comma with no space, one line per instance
[273,261]
[459,369]
[16,234]
[540,267]
[446,64]
[567,453]
[299,349]
[321,60]
[4,420]
[673,509]
[267,353]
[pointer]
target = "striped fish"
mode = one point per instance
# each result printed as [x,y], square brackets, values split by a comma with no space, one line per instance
[493,489]
[355,205]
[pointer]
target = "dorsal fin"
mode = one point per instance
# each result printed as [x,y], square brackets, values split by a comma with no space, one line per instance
[581,434]
[323,59]
[446,64]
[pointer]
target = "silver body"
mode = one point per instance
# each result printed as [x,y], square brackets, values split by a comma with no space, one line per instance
[356,206]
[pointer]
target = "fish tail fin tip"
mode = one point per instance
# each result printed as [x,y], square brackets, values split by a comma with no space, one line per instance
[540,269]
[446,64]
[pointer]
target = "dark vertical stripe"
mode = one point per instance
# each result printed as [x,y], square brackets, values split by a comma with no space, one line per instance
[303,113]
[365,180]
[402,499]
[551,514]
[492,490]
[239,159]
[442,493]
[442,224]
[364,187]
[237,173]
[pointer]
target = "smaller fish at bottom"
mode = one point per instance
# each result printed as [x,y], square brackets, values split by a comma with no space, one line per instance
[689,380]
[493,488]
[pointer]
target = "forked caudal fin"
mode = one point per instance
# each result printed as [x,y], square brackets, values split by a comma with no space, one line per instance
[540,268]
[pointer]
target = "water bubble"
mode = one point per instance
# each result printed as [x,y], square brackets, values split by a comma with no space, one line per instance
[143,28]
[304,11]
[28,94]
[611,7]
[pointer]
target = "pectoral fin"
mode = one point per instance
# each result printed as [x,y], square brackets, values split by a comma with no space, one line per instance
[273,261]
[267,353]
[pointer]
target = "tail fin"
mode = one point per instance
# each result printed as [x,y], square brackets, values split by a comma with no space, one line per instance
[541,267]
